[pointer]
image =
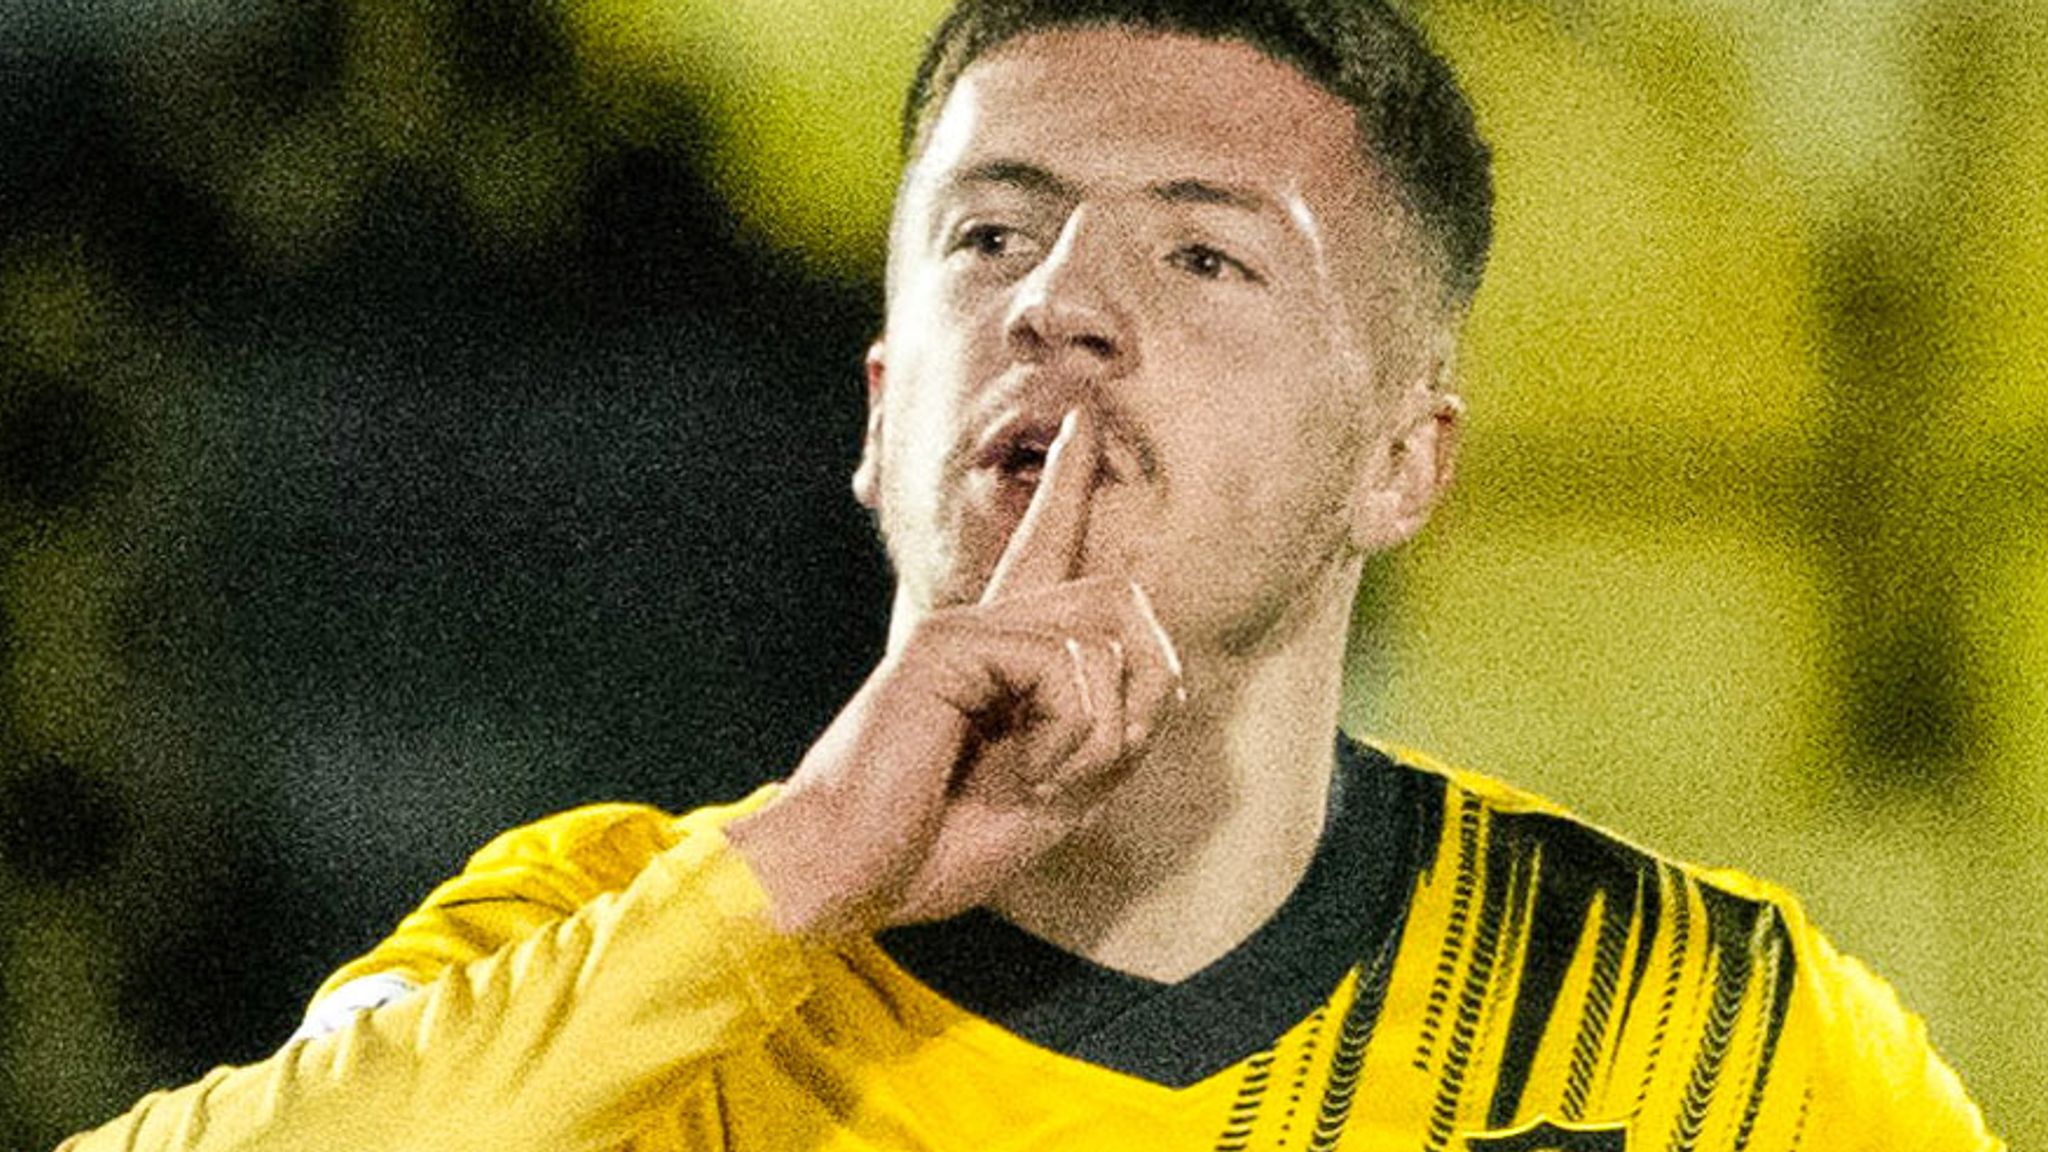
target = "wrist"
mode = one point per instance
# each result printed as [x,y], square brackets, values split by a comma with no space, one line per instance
[790,855]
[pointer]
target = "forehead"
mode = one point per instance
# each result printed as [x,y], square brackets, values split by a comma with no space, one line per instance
[1112,105]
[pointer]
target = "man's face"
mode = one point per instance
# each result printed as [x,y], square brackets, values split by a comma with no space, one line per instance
[1180,235]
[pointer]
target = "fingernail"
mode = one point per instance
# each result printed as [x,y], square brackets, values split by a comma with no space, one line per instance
[1144,600]
[1064,436]
[1081,677]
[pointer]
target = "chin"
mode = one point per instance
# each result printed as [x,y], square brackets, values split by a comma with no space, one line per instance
[953,568]
[936,580]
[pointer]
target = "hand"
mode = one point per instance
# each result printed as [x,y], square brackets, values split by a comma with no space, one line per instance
[988,737]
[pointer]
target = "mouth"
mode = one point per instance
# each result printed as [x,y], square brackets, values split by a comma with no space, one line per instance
[1023,463]
[1016,449]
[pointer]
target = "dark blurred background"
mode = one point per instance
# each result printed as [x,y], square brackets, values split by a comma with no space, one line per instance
[416,418]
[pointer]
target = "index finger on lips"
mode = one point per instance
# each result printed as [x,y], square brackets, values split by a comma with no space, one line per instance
[1047,543]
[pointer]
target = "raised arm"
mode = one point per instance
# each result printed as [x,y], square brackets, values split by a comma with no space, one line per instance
[981,743]
[558,1041]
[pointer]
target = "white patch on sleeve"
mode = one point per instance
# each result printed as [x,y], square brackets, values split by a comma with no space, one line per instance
[332,1012]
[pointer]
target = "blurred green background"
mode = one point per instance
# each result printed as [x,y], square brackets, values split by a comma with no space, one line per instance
[418,417]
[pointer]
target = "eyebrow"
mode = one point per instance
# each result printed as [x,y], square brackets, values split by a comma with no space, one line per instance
[1226,195]
[1032,178]
[1035,179]
[1016,174]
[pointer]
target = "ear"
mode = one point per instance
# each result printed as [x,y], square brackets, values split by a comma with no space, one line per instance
[867,476]
[1409,469]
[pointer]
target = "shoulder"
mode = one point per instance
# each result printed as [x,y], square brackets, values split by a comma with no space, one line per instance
[522,881]
[564,860]
[1519,827]
[1546,870]
[1710,961]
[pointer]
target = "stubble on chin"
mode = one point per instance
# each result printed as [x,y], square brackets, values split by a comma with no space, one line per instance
[930,551]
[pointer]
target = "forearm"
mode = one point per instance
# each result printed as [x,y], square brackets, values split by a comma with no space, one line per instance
[559,1042]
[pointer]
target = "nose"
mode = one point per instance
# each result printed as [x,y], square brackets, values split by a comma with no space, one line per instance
[1066,311]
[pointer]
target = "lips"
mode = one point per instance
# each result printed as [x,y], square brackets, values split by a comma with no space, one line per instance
[1016,446]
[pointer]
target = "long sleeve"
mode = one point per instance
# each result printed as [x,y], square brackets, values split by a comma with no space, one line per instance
[560,1041]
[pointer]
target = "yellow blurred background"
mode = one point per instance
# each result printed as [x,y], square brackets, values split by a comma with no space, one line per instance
[1748,560]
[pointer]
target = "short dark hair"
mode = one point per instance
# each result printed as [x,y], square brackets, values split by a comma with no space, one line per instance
[1415,122]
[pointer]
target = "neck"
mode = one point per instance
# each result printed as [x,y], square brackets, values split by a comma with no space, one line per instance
[1216,823]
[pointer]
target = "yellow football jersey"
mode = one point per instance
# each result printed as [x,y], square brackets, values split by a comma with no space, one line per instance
[1464,968]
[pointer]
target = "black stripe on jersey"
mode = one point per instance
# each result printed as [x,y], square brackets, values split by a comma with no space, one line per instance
[1311,1043]
[1736,930]
[1527,869]
[1349,1060]
[1574,866]
[1679,885]
[1469,813]
[1649,918]
[1504,881]
[1778,957]
[1615,930]
[1244,1111]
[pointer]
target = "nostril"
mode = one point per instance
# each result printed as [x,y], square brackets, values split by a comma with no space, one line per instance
[1026,335]
[1099,345]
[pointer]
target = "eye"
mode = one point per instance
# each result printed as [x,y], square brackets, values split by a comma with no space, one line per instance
[989,241]
[1211,264]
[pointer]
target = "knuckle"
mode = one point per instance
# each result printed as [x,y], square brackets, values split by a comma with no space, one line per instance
[1136,731]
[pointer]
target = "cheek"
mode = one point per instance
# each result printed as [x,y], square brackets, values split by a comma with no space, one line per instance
[1268,443]
[1271,397]
[914,447]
